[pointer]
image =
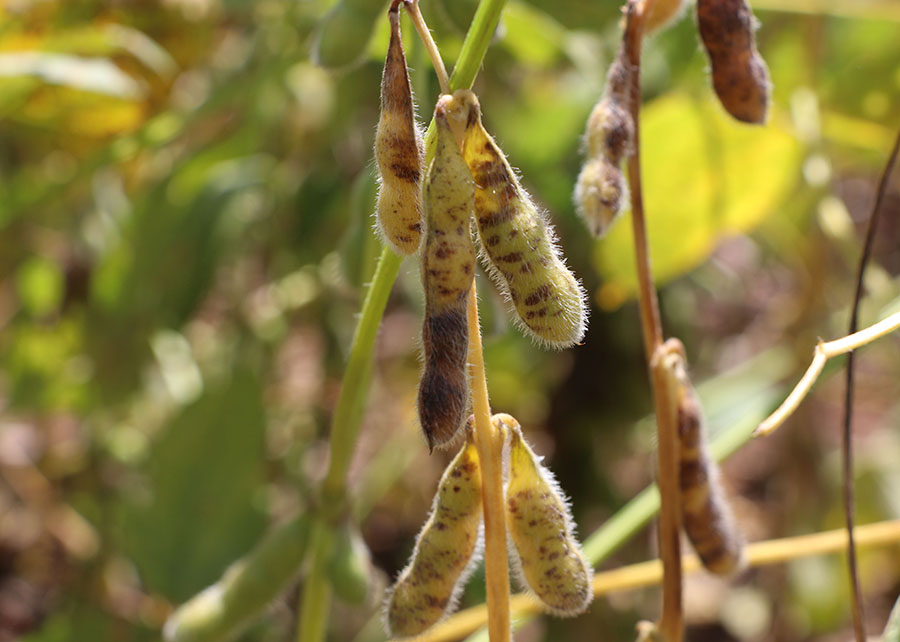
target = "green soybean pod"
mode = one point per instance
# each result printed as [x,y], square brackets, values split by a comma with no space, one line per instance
[549,558]
[445,553]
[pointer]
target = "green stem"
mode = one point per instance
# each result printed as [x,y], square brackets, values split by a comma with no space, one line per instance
[316,597]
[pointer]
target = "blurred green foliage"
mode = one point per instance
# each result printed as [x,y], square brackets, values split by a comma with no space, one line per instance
[185,201]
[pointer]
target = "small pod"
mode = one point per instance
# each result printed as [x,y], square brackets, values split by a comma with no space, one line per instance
[739,73]
[448,267]
[706,513]
[518,243]
[399,152]
[600,188]
[446,551]
[550,561]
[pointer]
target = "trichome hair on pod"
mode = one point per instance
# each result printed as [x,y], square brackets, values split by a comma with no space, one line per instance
[739,73]
[547,556]
[448,268]
[446,550]
[706,514]
[399,151]
[600,189]
[518,244]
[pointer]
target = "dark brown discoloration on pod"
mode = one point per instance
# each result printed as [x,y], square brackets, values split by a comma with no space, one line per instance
[707,517]
[445,550]
[739,73]
[518,243]
[448,266]
[399,152]
[600,189]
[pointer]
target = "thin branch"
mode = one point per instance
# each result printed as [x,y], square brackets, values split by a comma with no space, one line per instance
[489,442]
[650,573]
[859,623]
[822,353]
[412,8]
[671,624]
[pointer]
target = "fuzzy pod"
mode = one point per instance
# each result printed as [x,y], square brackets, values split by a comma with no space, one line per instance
[519,247]
[739,73]
[600,189]
[399,152]
[599,194]
[448,268]
[549,558]
[446,551]
[706,514]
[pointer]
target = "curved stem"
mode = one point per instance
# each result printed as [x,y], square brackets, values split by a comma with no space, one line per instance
[489,442]
[412,8]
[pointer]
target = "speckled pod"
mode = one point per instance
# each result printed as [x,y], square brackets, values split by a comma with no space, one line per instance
[706,514]
[448,267]
[399,152]
[445,551]
[600,188]
[518,244]
[550,562]
[739,73]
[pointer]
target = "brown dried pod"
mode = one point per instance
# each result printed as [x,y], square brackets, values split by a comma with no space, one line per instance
[739,73]
[448,268]
[706,514]
[399,151]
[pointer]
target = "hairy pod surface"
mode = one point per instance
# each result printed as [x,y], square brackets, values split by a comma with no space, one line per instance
[448,268]
[518,243]
[706,513]
[399,152]
[445,550]
[550,561]
[600,188]
[739,73]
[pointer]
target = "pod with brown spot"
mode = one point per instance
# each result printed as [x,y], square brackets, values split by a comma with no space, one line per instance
[706,514]
[448,267]
[519,248]
[739,73]
[446,551]
[549,558]
[600,189]
[399,152]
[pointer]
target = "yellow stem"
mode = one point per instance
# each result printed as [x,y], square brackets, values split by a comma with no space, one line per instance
[823,352]
[671,625]
[412,8]
[489,442]
[650,573]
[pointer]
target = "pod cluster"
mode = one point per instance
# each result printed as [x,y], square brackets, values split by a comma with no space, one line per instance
[740,76]
[445,552]
[706,514]
[548,557]
[470,179]
[600,189]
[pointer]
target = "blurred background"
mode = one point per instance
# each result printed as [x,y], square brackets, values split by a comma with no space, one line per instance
[185,232]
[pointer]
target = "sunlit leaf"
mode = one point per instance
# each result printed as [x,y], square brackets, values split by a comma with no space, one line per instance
[710,178]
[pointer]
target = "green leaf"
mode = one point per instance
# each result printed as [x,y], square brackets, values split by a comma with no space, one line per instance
[204,472]
[705,177]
